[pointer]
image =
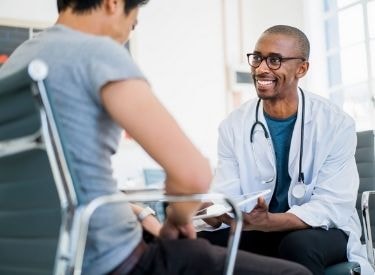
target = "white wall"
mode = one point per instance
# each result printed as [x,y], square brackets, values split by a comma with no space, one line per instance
[180,49]
[178,44]
[258,15]
[37,12]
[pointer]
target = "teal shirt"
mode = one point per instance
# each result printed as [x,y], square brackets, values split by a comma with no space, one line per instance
[281,131]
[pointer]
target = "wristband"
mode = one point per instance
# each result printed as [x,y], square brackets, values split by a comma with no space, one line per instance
[144,213]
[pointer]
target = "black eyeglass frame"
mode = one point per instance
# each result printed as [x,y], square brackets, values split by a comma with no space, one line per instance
[267,58]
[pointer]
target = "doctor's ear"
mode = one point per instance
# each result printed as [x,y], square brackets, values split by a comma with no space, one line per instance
[302,69]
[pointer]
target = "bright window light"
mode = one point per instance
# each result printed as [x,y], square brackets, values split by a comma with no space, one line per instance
[344,3]
[350,45]
[354,64]
[371,18]
[351,27]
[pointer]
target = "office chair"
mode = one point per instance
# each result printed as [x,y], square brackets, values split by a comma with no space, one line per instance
[367,171]
[43,224]
[364,156]
[37,201]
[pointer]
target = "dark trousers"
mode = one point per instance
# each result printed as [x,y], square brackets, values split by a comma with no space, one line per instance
[194,257]
[314,248]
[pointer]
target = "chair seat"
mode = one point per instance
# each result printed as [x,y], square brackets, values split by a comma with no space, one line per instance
[344,268]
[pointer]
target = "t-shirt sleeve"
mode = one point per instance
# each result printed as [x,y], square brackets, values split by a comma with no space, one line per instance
[108,61]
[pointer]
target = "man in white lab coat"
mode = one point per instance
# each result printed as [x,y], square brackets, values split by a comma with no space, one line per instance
[307,162]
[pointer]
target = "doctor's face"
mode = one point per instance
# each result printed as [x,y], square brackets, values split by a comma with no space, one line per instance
[277,83]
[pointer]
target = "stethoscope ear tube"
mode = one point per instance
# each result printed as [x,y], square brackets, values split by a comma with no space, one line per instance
[257,122]
[301,176]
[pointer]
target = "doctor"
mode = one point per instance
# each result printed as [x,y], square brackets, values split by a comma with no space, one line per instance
[301,147]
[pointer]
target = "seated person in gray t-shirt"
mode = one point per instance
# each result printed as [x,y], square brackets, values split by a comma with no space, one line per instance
[96,90]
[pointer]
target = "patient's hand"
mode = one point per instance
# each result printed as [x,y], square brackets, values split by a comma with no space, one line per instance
[149,223]
[152,225]
[170,230]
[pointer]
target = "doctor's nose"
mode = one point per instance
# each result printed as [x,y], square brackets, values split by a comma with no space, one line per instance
[263,67]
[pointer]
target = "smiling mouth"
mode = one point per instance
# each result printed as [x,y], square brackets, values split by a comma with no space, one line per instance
[265,83]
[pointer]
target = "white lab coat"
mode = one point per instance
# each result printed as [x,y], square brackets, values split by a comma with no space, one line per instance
[328,165]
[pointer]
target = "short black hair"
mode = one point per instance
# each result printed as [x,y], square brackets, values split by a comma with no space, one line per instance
[83,6]
[300,36]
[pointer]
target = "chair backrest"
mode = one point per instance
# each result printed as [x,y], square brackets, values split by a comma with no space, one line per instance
[365,159]
[37,200]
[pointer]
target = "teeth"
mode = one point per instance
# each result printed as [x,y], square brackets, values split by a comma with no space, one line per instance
[265,82]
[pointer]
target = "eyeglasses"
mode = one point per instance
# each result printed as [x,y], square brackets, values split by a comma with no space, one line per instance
[273,61]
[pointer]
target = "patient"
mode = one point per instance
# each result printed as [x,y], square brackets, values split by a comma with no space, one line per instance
[145,215]
[97,90]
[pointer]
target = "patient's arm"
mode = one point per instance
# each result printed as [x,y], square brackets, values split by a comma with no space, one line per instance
[133,106]
[149,223]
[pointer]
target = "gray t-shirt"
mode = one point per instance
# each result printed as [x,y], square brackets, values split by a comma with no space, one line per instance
[79,66]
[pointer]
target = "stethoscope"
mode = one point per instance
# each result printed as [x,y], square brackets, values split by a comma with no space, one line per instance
[299,188]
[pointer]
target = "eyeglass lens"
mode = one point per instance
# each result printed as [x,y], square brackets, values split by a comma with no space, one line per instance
[273,62]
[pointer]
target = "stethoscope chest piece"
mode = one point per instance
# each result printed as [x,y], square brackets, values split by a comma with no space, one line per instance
[299,190]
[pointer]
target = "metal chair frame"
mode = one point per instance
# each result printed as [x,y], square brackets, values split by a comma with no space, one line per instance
[75,217]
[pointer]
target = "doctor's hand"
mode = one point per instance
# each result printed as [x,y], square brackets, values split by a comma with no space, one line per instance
[216,222]
[258,218]
[262,220]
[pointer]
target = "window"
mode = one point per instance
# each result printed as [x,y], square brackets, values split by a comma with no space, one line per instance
[350,48]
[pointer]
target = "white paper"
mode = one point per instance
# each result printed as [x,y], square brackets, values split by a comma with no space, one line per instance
[250,199]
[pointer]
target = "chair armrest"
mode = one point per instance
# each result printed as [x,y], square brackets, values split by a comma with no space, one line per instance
[344,268]
[368,205]
[89,209]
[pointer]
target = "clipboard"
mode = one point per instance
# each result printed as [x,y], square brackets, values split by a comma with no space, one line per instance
[220,209]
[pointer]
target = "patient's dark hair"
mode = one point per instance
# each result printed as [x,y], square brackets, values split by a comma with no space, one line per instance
[303,41]
[84,6]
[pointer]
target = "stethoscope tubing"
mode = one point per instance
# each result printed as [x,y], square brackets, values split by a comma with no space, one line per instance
[267,136]
[301,176]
